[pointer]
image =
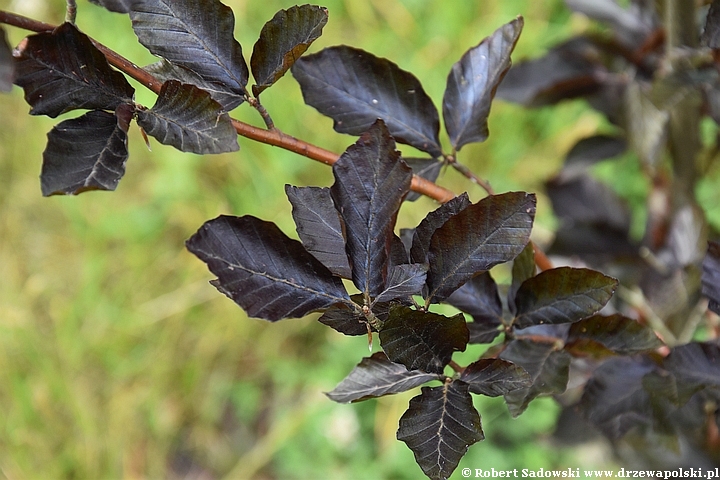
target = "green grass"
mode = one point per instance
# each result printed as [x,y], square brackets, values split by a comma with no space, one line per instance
[118,360]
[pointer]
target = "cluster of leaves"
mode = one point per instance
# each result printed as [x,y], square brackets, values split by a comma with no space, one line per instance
[626,73]
[547,323]
[202,67]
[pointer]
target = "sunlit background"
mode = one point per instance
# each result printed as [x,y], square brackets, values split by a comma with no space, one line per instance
[119,360]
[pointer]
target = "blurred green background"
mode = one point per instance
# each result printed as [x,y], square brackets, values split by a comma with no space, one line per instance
[119,360]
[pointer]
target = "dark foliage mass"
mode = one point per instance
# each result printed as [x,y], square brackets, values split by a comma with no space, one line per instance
[546,324]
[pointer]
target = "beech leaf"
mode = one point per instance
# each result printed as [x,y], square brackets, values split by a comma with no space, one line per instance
[614,399]
[616,333]
[370,183]
[523,269]
[354,88]
[283,40]
[472,83]
[422,340]
[377,376]
[547,366]
[164,71]
[427,168]
[492,231]
[562,295]
[494,377]
[434,220]
[695,364]
[195,34]
[268,274]
[7,64]
[439,427]
[86,153]
[319,227]
[404,281]
[711,276]
[55,82]
[479,297]
[188,119]
[346,320]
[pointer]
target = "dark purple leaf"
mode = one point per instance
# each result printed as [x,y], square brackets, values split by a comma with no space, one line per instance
[283,40]
[616,333]
[483,332]
[195,34]
[494,377]
[711,33]
[695,364]
[523,269]
[492,231]
[479,297]
[439,427]
[686,238]
[434,220]
[472,83]
[422,340]
[582,199]
[355,88]
[370,183]
[56,82]
[569,70]
[190,120]
[346,320]
[86,153]
[404,281]
[614,399]
[164,71]
[268,274]
[319,228]
[7,64]
[427,168]
[562,295]
[591,150]
[118,6]
[711,276]
[630,25]
[547,366]
[398,253]
[377,376]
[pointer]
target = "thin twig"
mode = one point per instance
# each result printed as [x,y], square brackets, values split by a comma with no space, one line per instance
[71,11]
[255,103]
[270,137]
[484,184]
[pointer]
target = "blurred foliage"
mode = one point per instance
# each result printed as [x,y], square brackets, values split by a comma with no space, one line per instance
[118,360]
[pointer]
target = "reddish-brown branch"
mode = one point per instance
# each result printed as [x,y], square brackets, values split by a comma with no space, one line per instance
[271,137]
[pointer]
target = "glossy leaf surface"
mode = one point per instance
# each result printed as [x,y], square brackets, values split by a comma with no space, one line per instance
[523,269]
[547,366]
[7,64]
[422,340]
[376,376]
[344,319]
[164,71]
[562,295]
[479,297]
[403,282]
[319,227]
[55,82]
[492,231]
[711,276]
[616,333]
[439,426]
[472,83]
[268,274]
[495,377]
[432,221]
[370,183]
[355,88]
[86,153]
[283,40]
[195,34]
[190,120]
